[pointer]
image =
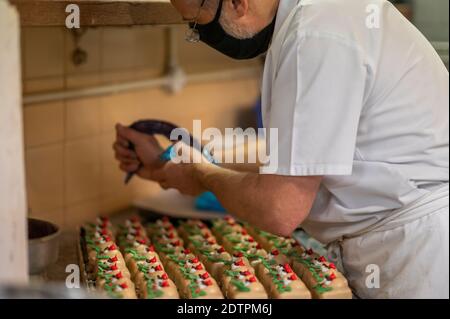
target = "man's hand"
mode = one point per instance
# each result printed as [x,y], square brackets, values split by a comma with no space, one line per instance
[179,176]
[147,151]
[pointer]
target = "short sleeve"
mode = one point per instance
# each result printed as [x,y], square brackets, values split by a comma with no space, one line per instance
[316,103]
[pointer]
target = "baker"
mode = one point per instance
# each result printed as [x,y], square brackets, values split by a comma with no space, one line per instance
[360,100]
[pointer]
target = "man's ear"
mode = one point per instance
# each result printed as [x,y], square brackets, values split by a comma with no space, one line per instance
[240,7]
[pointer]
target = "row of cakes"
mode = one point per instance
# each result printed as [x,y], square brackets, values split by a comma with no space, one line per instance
[192,278]
[233,272]
[106,264]
[144,263]
[320,276]
[271,267]
[245,262]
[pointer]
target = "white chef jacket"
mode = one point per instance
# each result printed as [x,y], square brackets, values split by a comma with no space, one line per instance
[367,108]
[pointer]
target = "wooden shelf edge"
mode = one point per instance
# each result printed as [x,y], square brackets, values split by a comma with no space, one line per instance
[97,13]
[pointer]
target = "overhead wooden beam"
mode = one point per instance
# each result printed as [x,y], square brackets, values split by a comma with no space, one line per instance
[98,12]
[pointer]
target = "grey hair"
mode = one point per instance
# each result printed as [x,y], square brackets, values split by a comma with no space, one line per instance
[235,30]
[225,20]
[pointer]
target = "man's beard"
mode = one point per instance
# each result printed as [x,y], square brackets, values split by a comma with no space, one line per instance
[235,31]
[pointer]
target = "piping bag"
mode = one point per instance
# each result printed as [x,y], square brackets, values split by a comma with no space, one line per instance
[207,200]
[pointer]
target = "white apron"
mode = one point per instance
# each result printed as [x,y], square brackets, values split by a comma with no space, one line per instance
[409,246]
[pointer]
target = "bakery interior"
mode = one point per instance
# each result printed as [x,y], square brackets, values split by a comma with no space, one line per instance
[64,90]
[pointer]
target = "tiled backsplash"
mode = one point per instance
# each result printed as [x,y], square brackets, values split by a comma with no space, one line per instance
[71,173]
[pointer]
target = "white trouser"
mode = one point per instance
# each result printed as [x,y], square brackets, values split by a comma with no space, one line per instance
[410,249]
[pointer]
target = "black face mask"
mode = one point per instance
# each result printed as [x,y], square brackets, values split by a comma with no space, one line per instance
[215,36]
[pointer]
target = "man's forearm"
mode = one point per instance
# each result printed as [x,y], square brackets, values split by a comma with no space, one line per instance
[273,203]
[235,190]
[244,167]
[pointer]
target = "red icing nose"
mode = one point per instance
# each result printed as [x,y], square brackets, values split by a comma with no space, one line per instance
[205,275]
[287,268]
[114,259]
[239,262]
[246,273]
[208,282]
[198,267]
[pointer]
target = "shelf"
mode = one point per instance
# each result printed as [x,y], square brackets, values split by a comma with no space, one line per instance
[98,12]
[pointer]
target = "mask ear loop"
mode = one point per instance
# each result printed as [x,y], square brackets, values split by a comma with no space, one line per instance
[193,36]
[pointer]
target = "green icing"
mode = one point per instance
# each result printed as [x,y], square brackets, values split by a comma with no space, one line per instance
[233,239]
[111,293]
[315,272]
[192,230]
[143,268]
[135,255]
[153,293]
[321,289]
[164,249]
[195,292]
[269,264]
[231,273]
[240,285]
[193,286]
